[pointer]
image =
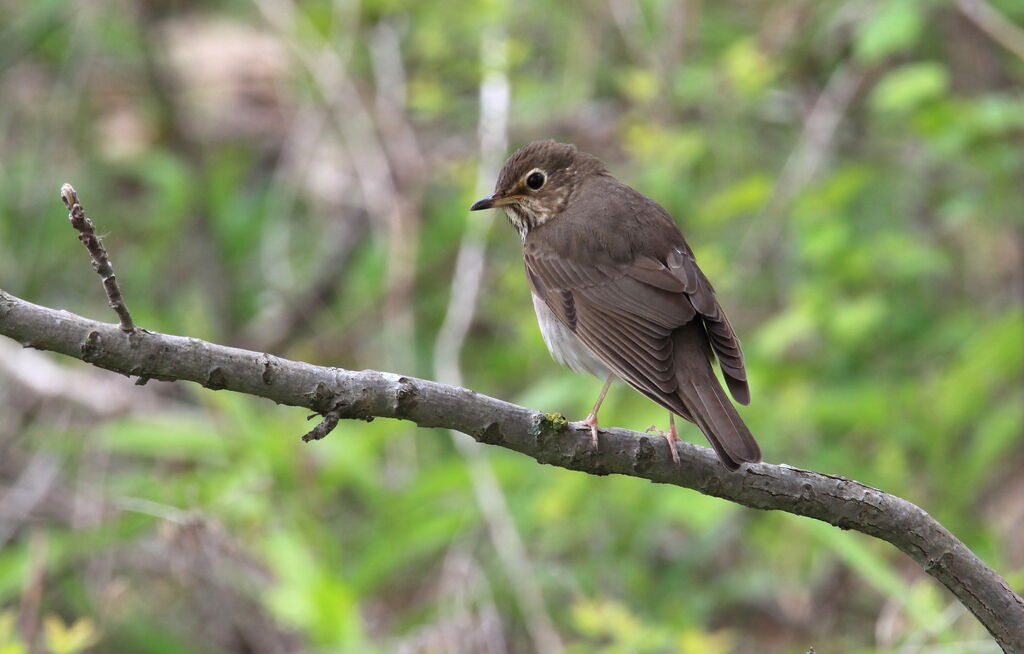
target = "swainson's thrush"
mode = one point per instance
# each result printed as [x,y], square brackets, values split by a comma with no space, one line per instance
[618,293]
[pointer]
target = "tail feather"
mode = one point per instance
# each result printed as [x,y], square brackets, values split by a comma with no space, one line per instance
[717,418]
[707,403]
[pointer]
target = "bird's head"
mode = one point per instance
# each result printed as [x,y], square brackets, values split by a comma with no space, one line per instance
[537,182]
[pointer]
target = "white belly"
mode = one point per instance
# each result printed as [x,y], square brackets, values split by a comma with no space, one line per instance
[566,348]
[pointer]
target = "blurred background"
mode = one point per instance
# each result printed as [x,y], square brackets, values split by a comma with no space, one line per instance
[294,177]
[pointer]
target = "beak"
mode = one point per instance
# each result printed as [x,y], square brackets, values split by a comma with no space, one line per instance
[490,202]
[483,203]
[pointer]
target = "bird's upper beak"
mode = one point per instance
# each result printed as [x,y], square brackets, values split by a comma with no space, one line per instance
[491,201]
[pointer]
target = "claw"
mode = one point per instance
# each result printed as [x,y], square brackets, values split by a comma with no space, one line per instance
[591,421]
[671,436]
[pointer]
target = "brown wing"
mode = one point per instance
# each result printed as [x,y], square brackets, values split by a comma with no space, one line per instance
[681,265]
[627,314]
[655,325]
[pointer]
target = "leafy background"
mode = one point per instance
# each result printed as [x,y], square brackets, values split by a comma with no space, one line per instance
[294,176]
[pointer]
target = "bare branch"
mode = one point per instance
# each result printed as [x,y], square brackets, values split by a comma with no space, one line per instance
[989,20]
[100,261]
[548,438]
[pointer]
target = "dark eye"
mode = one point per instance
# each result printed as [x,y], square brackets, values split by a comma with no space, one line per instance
[535,180]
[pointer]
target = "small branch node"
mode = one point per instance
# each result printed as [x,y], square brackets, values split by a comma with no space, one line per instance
[100,261]
[216,380]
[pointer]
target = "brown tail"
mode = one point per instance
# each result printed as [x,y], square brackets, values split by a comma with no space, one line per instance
[706,401]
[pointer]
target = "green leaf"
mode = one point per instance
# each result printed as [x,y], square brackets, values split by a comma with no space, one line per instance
[748,68]
[854,320]
[894,28]
[61,639]
[10,642]
[639,84]
[910,86]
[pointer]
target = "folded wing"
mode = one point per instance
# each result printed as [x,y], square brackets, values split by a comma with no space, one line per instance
[656,324]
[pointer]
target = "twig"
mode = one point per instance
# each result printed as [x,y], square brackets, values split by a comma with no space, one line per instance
[548,438]
[996,25]
[323,428]
[100,262]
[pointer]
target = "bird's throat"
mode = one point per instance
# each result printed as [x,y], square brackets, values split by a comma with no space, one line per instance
[525,218]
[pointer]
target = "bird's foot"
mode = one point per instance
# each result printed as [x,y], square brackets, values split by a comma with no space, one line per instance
[591,421]
[671,436]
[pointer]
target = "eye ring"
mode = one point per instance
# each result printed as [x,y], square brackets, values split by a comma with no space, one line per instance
[535,180]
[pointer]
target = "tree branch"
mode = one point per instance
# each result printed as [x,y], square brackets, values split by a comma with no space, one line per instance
[996,25]
[100,261]
[548,438]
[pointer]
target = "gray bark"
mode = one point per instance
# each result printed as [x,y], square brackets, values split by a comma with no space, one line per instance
[548,438]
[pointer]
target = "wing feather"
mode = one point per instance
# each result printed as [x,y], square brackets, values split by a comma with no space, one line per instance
[650,299]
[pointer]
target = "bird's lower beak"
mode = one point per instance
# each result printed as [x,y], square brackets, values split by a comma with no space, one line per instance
[490,202]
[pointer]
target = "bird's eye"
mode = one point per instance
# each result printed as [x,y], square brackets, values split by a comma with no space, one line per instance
[535,180]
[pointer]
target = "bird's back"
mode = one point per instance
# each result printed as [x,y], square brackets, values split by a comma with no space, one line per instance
[630,223]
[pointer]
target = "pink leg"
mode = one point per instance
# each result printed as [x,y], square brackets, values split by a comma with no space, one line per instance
[591,420]
[671,436]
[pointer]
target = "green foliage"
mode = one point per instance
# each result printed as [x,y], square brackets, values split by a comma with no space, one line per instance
[69,639]
[10,643]
[893,27]
[873,271]
[910,86]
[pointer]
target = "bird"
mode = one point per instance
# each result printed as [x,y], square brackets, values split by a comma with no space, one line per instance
[618,293]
